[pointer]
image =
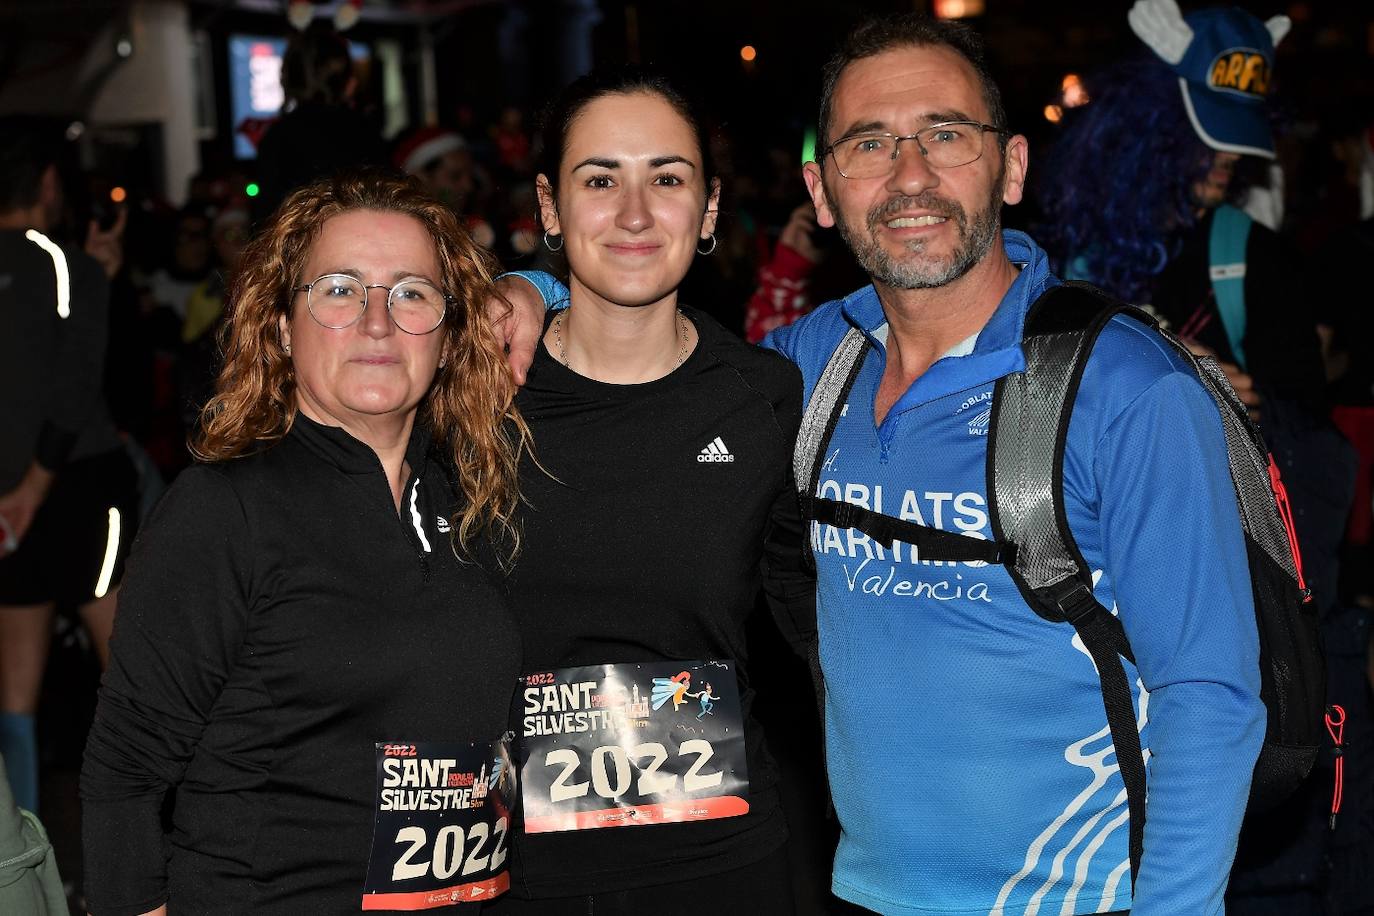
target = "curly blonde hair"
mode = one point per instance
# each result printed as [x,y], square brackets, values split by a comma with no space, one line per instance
[469,408]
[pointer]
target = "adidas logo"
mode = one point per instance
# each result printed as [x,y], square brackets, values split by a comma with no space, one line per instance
[716,451]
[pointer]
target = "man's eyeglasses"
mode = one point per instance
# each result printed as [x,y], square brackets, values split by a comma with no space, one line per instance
[338,300]
[946,145]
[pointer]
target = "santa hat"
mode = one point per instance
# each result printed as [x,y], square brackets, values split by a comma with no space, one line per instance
[424,146]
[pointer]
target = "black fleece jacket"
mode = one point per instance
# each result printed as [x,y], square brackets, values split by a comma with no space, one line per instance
[278,619]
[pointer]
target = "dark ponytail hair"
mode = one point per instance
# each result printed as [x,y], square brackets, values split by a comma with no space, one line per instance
[626,80]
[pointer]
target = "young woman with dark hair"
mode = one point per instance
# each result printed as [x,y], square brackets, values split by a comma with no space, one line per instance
[664,497]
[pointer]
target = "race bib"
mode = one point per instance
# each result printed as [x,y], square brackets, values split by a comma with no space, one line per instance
[443,813]
[632,744]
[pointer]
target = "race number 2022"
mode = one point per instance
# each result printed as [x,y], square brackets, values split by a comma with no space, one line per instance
[442,820]
[446,858]
[632,744]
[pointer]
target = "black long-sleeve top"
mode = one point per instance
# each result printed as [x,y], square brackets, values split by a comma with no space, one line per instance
[639,551]
[278,619]
[52,355]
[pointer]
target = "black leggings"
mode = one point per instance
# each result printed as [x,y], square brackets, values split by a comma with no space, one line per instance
[763,888]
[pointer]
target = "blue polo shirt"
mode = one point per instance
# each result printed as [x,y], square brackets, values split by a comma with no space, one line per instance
[969,755]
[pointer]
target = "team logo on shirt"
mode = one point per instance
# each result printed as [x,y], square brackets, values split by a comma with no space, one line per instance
[978,422]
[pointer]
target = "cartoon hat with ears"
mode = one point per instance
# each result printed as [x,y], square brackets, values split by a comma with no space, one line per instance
[1224,59]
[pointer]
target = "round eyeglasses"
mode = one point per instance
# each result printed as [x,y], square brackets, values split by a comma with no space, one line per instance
[338,300]
[946,145]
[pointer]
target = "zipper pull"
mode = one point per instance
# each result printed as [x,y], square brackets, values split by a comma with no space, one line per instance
[1335,727]
[1289,527]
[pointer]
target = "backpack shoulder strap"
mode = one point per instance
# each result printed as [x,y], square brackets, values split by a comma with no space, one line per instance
[818,425]
[823,409]
[1028,431]
[1226,256]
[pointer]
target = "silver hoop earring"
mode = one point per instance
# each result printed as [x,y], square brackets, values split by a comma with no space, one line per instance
[287,348]
[549,245]
[708,250]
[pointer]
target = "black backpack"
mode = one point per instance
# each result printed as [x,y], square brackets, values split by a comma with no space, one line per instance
[1027,433]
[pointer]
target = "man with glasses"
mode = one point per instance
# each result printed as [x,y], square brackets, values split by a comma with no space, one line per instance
[969,756]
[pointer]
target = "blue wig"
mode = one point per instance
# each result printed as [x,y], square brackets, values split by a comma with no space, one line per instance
[1117,187]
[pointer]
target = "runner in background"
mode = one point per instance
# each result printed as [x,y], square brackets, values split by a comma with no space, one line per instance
[320,130]
[68,491]
[443,160]
[665,490]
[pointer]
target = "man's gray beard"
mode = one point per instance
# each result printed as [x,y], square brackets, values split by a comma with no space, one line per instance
[974,242]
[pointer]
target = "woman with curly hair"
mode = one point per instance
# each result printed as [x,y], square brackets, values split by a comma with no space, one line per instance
[317,586]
